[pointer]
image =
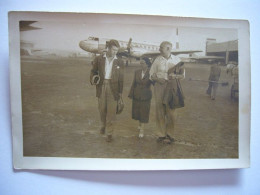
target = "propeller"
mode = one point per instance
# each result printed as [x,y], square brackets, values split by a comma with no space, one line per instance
[129,47]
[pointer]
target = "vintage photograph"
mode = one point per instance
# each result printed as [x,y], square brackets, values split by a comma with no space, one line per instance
[105,86]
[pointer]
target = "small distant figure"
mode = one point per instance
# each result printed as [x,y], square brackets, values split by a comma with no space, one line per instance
[141,94]
[234,87]
[214,76]
[230,67]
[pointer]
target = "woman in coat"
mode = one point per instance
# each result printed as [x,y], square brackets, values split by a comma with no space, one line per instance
[141,94]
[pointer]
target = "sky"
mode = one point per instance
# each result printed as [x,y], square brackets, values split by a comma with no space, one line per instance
[67,35]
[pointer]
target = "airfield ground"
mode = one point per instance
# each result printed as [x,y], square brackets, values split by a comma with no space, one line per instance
[60,116]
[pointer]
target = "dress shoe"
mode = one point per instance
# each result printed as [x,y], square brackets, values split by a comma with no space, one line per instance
[167,141]
[170,138]
[160,139]
[141,133]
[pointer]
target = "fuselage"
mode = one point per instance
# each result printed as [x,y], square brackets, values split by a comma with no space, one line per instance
[99,45]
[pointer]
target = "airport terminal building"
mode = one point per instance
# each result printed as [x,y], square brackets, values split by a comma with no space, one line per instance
[228,50]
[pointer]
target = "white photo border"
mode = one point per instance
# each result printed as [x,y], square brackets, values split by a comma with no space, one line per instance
[57,163]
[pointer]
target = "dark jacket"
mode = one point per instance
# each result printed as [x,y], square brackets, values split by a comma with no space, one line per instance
[117,75]
[215,71]
[173,94]
[140,89]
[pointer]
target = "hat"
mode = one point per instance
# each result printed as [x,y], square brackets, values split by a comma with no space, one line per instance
[95,80]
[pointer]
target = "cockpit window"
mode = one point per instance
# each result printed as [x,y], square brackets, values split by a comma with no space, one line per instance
[93,38]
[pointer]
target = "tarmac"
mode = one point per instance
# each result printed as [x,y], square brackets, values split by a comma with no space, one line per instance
[61,119]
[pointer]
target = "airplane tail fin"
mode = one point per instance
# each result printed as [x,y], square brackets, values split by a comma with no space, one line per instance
[177,39]
[174,39]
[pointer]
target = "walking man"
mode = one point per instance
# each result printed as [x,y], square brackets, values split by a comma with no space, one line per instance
[215,71]
[165,116]
[109,87]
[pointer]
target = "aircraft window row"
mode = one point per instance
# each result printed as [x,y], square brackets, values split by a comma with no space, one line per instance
[125,45]
[122,44]
[145,46]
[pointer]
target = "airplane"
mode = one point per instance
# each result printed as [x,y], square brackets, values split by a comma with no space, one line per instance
[128,49]
[27,50]
[26,47]
[206,59]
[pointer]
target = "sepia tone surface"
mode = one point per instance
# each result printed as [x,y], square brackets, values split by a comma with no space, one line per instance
[61,119]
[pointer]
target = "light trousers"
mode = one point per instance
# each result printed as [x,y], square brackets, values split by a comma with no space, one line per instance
[165,117]
[212,89]
[107,108]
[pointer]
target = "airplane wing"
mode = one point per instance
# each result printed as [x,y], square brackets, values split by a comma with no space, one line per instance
[154,54]
[26,26]
[177,52]
[207,58]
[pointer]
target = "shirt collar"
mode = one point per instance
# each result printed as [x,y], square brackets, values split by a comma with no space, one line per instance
[105,56]
[171,57]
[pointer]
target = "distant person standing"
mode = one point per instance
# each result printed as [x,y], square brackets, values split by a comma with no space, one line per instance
[234,87]
[165,115]
[108,74]
[141,94]
[230,67]
[215,72]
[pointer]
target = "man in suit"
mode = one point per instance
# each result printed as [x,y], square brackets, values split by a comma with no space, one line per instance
[109,89]
[215,72]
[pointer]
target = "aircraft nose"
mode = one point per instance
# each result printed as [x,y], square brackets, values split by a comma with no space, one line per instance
[89,45]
